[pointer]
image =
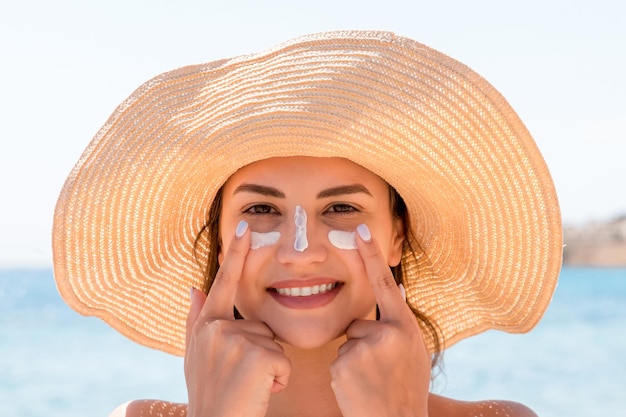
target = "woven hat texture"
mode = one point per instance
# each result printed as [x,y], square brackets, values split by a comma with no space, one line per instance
[481,200]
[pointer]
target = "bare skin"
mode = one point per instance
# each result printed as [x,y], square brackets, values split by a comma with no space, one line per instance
[284,360]
[438,406]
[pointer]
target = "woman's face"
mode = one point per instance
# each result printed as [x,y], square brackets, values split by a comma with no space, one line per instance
[306,286]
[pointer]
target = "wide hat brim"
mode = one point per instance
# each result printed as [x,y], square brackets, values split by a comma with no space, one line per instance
[482,203]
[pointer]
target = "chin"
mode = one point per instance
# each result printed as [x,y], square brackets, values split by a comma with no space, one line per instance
[307,337]
[306,343]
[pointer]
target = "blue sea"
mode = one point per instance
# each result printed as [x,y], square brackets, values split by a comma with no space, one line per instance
[54,362]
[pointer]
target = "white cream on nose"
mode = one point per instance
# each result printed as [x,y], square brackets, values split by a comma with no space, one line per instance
[301,242]
[342,239]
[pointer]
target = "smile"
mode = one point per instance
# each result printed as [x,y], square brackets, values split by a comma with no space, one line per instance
[306,291]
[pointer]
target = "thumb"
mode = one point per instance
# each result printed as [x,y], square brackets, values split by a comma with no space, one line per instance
[197,301]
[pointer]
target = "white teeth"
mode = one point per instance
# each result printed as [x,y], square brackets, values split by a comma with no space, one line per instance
[306,291]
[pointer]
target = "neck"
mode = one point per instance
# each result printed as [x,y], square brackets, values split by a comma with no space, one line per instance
[308,392]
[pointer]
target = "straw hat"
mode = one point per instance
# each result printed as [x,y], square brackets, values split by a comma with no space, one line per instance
[481,199]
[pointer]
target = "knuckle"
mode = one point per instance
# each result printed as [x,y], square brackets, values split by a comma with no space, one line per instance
[384,338]
[223,277]
[339,369]
[386,335]
[210,329]
[256,354]
[386,280]
[362,351]
[236,248]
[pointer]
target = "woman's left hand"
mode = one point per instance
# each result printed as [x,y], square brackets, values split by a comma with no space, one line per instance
[383,369]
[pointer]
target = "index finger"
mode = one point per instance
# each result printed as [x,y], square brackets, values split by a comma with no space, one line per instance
[391,302]
[221,299]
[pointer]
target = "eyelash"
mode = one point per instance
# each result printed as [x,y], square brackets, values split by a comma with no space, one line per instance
[261,210]
[343,208]
[266,209]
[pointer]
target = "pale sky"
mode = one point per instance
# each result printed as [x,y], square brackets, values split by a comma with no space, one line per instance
[65,65]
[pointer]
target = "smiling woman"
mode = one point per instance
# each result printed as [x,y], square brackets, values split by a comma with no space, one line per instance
[336,204]
[276,194]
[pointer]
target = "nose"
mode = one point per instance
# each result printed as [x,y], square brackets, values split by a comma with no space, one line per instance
[300,245]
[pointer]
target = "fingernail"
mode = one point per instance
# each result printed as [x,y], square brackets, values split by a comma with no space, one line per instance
[191,293]
[402,291]
[364,232]
[241,228]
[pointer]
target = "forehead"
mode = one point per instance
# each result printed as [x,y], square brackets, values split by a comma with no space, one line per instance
[305,172]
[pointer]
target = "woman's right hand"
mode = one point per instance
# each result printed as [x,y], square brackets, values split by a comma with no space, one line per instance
[231,366]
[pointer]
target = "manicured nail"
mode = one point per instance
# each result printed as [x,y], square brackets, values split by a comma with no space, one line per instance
[241,228]
[402,291]
[191,293]
[364,232]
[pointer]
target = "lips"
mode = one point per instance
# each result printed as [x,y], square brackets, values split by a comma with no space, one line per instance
[306,291]
[305,295]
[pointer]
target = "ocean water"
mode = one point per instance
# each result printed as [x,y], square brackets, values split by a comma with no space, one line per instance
[54,362]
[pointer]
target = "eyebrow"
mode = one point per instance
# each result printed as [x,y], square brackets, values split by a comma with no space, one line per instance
[330,192]
[343,190]
[260,189]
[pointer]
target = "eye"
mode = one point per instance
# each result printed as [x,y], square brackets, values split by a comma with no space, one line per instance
[341,208]
[261,209]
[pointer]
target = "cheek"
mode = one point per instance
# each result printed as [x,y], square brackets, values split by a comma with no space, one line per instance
[391,243]
[363,300]
[351,263]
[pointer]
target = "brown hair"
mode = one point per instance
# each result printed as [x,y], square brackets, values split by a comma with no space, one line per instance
[210,232]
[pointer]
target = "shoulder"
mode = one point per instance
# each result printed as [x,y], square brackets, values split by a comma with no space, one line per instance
[438,406]
[446,407]
[150,408]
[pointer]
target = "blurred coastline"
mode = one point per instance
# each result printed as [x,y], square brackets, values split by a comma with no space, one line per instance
[597,243]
